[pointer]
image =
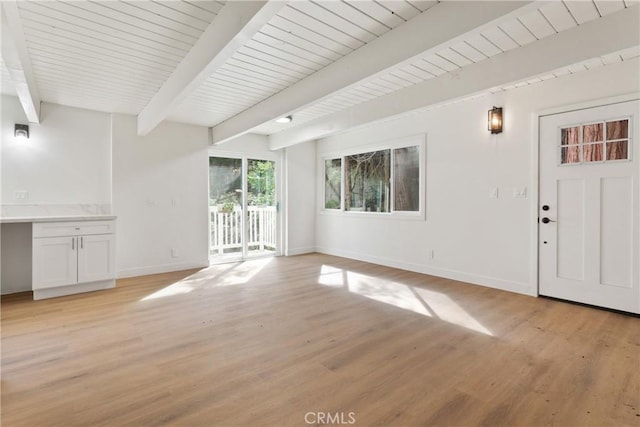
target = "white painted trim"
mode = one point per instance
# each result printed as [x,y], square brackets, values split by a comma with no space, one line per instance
[17,60]
[444,24]
[474,279]
[163,268]
[301,251]
[534,185]
[587,41]
[73,289]
[236,23]
[561,109]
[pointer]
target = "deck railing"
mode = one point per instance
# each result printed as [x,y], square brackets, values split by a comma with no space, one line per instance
[226,229]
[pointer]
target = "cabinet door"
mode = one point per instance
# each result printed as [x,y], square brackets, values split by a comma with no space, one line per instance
[96,258]
[55,262]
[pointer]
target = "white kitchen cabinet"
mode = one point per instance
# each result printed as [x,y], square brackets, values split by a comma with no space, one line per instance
[72,257]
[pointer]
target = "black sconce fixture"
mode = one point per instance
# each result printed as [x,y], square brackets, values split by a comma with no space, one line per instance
[21,131]
[495,120]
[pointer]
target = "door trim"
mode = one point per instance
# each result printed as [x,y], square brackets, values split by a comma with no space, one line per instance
[244,155]
[535,169]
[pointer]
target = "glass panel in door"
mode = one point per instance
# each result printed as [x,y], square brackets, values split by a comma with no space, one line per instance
[261,207]
[225,208]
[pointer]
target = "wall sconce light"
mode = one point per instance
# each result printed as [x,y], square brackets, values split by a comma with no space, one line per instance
[495,120]
[21,131]
[287,119]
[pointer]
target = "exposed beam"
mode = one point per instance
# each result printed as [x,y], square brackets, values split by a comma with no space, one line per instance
[441,25]
[16,58]
[611,33]
[236,23]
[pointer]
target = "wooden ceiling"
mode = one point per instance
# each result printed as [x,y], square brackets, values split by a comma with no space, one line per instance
[119,56]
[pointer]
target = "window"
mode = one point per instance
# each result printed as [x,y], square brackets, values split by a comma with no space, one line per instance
[595,142]
[406,178]
[366,183]
[389,180]
[332,183]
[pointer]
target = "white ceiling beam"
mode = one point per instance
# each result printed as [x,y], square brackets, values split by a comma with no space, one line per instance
[236,23]
[16,58]
[438,27]
[611,33]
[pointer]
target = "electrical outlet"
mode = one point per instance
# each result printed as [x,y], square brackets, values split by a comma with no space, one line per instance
[493,193]
[21,195]
[175,253]
[520,193]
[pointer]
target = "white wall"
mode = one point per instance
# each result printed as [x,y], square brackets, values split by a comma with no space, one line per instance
[65,162]
[474,238]
[160,197]
[301,198]
[67,159]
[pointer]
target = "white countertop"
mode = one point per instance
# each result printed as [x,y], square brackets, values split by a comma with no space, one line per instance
[54,212]
[17,219]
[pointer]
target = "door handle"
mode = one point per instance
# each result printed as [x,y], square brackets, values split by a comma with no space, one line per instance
[81,242]
[73,243]
[546,220]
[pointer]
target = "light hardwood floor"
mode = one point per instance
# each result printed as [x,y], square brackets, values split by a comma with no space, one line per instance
[268,341]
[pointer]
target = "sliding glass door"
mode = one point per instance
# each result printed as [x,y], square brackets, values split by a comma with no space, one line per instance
[242,208]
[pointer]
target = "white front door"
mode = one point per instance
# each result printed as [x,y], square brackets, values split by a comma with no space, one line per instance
[589,212]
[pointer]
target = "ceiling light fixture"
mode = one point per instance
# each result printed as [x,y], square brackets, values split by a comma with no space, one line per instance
[21,131]
[286,119]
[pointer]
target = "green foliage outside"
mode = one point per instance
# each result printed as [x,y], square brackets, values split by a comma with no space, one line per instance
[225,183]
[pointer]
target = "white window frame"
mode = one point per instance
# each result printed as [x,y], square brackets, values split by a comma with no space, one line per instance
[581,144]
[408,141]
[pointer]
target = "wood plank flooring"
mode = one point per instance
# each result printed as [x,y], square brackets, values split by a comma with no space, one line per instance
[268,342]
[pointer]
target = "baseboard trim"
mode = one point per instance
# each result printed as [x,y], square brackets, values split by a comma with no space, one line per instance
[164,268]
[461,276]
[301,251]
[73,289]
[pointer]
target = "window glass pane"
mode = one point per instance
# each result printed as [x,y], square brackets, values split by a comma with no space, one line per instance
[592,152]
[406,178]
[570,154]
[332,182]
[261,183]
[618,129]
[367,181]
[618,150]
[592,133]
[570,136]
[225,183]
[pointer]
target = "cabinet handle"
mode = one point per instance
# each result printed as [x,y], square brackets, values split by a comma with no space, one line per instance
[73,243]
[81,242]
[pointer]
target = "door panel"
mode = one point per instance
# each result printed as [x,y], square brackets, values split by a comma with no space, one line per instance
[55,262]
[243,210]
[616,223]
[261,207]
[226,208]
[96,258]
[589,206]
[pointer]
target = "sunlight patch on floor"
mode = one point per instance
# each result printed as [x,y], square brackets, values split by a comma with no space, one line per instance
[213,277]
[416,299]
[385,291]
[331,276]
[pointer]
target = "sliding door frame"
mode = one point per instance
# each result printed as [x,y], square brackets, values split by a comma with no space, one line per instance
[245,156]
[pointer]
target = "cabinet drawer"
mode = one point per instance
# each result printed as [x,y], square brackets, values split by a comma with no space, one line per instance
[73,228]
